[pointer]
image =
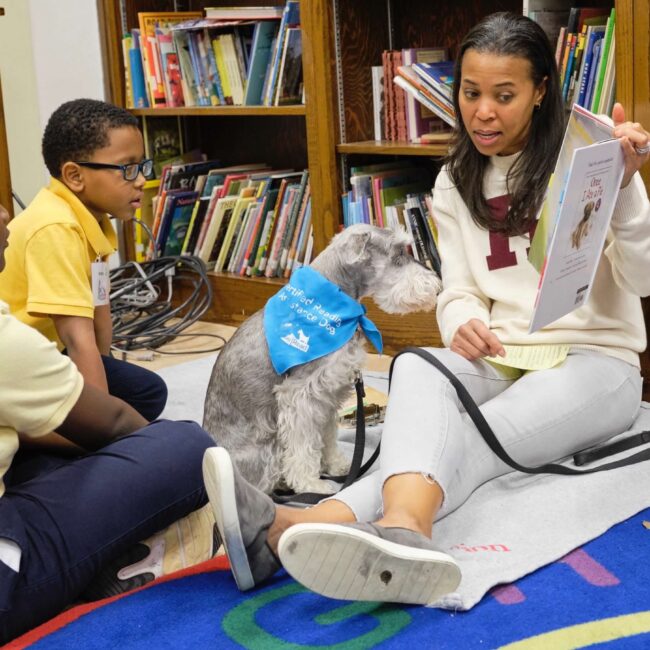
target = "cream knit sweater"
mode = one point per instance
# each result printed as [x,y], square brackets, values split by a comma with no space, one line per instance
[488,276]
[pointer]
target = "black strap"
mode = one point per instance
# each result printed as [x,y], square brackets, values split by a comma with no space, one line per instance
[590,455]
[356,469]
[488,435]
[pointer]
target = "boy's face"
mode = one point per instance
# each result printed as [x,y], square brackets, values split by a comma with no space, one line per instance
[105,190]
[4,235]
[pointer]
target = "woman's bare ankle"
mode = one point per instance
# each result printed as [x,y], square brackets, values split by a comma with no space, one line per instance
[283,519]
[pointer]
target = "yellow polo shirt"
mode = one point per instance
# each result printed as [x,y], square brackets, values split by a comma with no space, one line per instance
[52,245]
[38,386]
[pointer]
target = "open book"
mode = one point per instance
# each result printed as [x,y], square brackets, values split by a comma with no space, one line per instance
[575,216]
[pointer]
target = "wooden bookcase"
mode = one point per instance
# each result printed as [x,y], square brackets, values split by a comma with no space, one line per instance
[6,198]
[341,40]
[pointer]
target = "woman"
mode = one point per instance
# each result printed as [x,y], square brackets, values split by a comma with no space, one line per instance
[507,94]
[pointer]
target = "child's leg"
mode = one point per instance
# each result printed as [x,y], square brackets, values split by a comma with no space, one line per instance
[75,519]
[143,389]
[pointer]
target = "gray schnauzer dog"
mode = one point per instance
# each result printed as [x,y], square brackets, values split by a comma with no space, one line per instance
[281,430]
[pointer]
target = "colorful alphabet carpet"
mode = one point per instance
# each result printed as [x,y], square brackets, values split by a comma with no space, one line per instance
[597,596]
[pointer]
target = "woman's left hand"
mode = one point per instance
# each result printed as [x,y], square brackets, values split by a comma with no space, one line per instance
[635,142]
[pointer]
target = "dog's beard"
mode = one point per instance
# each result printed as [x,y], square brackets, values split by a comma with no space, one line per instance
[414,290]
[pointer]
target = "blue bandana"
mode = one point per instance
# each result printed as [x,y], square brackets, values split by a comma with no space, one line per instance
[311,317]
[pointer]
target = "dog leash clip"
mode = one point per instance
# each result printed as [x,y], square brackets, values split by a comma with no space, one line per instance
[358,383]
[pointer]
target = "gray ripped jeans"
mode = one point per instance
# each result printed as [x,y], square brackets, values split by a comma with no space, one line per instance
[543,416]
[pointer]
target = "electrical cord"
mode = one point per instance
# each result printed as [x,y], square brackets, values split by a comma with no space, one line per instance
[144,313]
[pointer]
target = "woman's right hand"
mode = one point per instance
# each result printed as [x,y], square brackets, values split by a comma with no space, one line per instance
[474,340]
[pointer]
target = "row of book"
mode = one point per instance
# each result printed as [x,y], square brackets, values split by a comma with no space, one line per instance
[408,101]
[229,56]
[395,195]
[585,56]
[245,219]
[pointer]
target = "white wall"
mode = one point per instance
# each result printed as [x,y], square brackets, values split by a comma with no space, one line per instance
[49,53]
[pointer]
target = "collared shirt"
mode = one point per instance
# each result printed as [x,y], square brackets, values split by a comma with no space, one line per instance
[52,245]
[38,386]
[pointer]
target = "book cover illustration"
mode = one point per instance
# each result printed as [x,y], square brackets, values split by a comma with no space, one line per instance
[162,141]
[580,231]
[179,221]
[583,128]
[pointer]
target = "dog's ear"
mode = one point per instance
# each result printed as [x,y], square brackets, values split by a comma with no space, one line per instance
[358,247]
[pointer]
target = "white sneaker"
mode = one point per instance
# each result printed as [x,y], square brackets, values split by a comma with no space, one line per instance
[363,561]
[186,542]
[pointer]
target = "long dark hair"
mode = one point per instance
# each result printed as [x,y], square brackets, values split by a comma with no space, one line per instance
[509,34]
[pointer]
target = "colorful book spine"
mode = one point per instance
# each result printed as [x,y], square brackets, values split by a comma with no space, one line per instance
[290,17]
[602,66]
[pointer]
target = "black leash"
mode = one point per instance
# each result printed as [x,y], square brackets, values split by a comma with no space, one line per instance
[581,458]
[550,468]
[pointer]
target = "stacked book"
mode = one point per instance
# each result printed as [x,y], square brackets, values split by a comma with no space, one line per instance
[401,111]
[229,56]
[246,219]
[430,84]
[395,195]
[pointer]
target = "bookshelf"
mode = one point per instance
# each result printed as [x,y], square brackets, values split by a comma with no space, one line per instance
[6,198]
[341,40]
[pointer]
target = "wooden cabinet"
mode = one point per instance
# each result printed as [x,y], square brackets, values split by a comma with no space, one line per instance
[341,40]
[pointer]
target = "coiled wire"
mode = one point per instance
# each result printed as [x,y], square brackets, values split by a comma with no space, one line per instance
[143,310]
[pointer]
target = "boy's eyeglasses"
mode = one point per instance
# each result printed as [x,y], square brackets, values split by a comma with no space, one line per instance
[129,171]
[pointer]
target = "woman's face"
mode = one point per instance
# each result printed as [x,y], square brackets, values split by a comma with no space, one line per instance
[4,235]
[497,97]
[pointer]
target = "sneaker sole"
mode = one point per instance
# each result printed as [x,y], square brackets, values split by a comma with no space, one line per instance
[348,564]
[220,485]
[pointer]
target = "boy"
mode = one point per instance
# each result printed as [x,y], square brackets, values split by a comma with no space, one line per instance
[94,152]
[63,522]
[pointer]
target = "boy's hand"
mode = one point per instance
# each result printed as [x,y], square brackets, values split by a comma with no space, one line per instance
[474,340]
[635,142]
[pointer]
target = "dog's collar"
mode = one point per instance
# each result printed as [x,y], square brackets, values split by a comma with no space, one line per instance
[311,317]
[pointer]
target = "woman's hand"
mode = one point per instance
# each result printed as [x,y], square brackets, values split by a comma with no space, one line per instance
[474,340]
[635,142]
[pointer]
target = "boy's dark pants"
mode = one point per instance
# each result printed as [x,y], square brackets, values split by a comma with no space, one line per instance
[143,389]
[72,516]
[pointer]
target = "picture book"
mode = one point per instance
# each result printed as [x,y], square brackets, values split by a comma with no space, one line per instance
[289,84]
[583,128]
[145,216]
[440,76]
[420,119]
[179,219]
[260,55]
[139,98]
[223,207]
[424,96]
[233,229]
[581,227]
[247,13]
[290,18]
[148,23]
[377,76]
[162,140]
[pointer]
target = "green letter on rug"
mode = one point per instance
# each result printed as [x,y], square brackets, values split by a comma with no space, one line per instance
[240,625]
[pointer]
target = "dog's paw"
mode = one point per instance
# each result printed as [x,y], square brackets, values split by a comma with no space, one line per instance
[316,485]
[336,465]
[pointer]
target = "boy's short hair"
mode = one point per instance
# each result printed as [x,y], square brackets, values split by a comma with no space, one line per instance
[78,128]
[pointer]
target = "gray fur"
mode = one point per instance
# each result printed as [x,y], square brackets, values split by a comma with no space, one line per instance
[281,430]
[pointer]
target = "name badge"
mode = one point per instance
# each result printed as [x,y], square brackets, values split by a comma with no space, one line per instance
[101,283]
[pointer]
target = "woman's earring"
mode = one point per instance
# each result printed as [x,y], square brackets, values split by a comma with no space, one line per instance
[538,106]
